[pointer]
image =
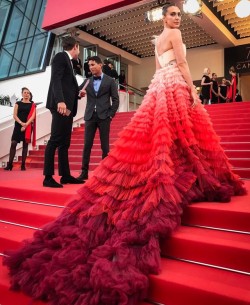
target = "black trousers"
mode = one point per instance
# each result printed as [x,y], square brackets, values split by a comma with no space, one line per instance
[89,135]
[61,129]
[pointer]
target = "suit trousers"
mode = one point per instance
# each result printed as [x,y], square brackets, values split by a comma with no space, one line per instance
[91,126]
[61,129]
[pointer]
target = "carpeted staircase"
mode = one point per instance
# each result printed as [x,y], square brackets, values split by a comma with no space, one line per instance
[205,262]
[231,122]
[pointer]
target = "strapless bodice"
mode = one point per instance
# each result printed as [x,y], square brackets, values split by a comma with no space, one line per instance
[167,56]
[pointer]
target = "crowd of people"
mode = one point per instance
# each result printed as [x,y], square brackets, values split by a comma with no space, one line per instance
[106,242]
[213,93]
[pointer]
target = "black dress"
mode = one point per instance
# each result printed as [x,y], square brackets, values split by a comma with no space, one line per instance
[205,90]
[22,113]
[223,92]
[214,98]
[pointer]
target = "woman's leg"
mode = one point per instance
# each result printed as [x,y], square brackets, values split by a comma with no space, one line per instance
[12,155]
[24,155]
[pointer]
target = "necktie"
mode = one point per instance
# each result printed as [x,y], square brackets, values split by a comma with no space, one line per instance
[97,77]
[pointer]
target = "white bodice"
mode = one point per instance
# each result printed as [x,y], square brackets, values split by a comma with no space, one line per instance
[167,56]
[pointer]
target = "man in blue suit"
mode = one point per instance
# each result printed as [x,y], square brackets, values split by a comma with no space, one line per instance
[102,104]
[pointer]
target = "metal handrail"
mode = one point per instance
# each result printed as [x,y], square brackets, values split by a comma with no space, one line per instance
[137,93]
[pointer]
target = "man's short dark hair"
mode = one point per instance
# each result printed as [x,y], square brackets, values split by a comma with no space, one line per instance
[69,42]
[97,59]
[106,62]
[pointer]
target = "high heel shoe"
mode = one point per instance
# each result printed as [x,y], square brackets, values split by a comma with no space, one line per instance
[23,168]
[8,167]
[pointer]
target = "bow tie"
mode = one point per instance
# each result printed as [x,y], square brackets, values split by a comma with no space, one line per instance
[97,77]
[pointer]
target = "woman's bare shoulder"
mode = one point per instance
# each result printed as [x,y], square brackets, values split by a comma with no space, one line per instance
[175,33]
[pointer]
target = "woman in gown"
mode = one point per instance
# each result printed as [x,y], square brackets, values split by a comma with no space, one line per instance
[103,246]
[233,85]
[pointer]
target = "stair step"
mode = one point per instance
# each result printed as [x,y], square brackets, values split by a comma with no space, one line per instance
[201,285]
[235,138]
[72,152]
[240,162]
[244,173]
[51,196]
[76,166]
[229,125]
[235,145]
[192,278]
[11,236]
[237,153]
[228,107]
[207,246]
[77,158]
[29,214]
[214,247]
[227,131]
[234,215]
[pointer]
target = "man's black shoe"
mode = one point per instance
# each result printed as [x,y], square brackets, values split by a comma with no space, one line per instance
[70,180]
[83,176]
[51,183]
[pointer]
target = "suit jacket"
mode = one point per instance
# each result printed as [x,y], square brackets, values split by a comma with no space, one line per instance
[101,100]
[63,84]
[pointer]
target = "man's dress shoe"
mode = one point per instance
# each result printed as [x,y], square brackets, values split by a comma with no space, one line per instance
[51,183]
[70,180]
[83,176]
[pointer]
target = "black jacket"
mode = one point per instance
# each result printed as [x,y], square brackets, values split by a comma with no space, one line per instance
[63,84]
[102,101]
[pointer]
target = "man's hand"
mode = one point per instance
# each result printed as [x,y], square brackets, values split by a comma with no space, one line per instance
[61,108]
[82,93]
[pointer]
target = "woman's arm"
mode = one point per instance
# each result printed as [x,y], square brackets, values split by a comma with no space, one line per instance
[176,40]
[212,89]
[16,117]
[205,84]
[230,82]
[157,64]
[219,94]
[31,119]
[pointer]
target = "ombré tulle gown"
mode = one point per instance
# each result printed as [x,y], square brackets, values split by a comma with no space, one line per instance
[103,246]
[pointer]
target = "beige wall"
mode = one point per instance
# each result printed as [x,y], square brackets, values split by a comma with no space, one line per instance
[243,87]
[198,59]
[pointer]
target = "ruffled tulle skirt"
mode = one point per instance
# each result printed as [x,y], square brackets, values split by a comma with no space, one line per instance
[103,246]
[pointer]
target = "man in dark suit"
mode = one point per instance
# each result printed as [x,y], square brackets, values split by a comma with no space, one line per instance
[77,66]
[62,102]
[86,68]
[99,112]
[106,68]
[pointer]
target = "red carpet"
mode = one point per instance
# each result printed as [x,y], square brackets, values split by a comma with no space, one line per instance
[206,236]
[233,130]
